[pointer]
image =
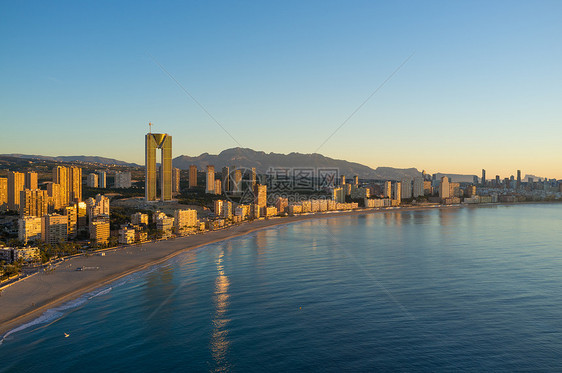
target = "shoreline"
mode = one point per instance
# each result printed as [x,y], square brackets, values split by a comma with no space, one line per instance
[27,299]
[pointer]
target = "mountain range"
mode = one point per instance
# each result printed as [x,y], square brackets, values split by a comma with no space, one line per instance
[248,158]
[262,161]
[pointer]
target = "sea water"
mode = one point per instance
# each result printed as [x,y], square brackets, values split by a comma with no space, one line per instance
[476,289]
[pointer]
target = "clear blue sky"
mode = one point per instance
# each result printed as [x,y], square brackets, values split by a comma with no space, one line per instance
[482,90]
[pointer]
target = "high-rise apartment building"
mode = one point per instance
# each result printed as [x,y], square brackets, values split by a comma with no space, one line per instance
[397,191]
[60,177]
[218,186]
[260,195]
[176,176]
[338,195]
[97,206]
[184,219]
[100,230]
[54,228]
[70,181]
[122,179]
[227,210]
[74,184]
[55,196]
[192,176]
[29,229]
[483,177]
[226,178]
[218,207]
[387,191]
[16,184]
[444,189]
[282,203]
[427,188]
[518,179]
[92,180]
[455,190]
[34,202]
[406,188]
[253,177]
[71,213]
[418,187]
[237,181]
[356,180]
[210,180]
[3,194]
[161,141]
[102,179]
[82,216]
[342,179]
[31,180]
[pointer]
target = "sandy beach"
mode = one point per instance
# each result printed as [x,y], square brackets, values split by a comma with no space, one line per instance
[27,299]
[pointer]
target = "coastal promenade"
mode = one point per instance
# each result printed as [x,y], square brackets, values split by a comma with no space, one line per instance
[27,299]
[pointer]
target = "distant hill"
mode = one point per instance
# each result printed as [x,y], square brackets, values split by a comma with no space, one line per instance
[243,157]
[74,158]
[457,178]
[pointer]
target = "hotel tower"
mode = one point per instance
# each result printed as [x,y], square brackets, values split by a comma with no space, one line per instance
[161,141]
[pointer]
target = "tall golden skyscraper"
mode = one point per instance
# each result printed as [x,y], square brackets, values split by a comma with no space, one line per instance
[55,196]
[3,193]
[253,178]
[31,180]
[210,180]
[74,184]
[260,195]
[155,141]
[70,181]
[60,177]
[16,183]
[192,176]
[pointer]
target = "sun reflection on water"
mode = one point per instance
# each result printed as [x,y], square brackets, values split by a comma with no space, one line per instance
[219,338]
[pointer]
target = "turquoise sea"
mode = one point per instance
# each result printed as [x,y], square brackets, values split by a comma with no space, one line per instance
[470,289]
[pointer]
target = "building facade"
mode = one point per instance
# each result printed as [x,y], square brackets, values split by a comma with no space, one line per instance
[176,176]
[192,176]
[16,184]
[54,229]
[210,180]
[122,179]
[3,193]
[92,180]
[29,229]
[34,202]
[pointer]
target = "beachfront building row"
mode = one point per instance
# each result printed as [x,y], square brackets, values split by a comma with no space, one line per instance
[183,222]
[19,254]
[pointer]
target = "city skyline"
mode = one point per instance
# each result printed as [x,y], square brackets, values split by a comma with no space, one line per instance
[479,91]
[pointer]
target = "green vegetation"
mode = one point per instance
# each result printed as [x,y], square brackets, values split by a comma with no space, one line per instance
[9,270]
[120,193]
[48,252]
[197,196]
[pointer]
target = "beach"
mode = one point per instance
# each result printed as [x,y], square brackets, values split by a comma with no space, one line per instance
[29,298]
